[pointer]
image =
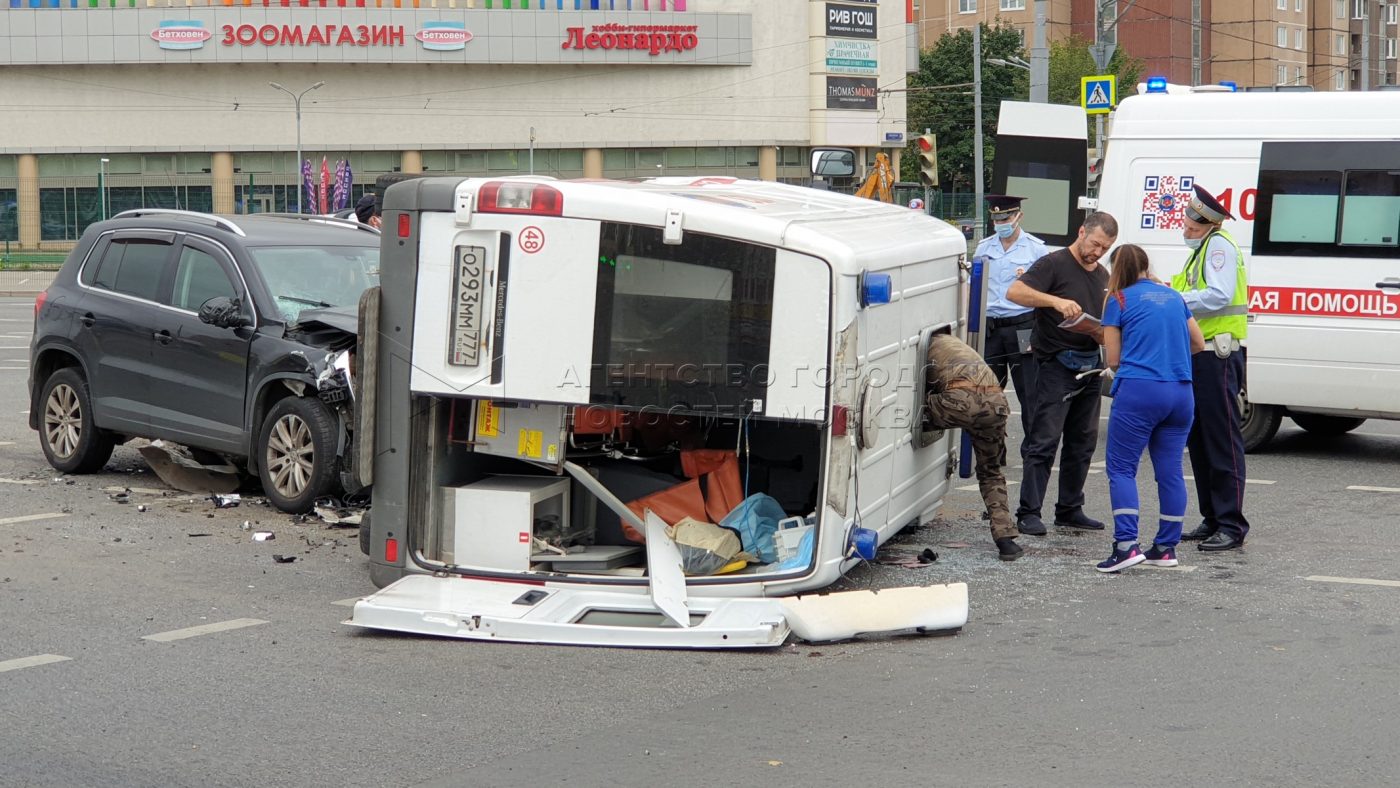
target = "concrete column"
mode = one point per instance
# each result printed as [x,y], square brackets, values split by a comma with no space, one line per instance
[412,161]
[221,171]
[27,200]
[592,162]
[767,163]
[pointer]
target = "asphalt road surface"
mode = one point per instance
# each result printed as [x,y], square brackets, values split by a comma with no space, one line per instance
[165,647]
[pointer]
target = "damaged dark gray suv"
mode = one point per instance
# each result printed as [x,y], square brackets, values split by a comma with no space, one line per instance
[233,336]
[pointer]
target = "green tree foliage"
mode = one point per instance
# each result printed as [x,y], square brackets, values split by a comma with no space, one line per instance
[940,99]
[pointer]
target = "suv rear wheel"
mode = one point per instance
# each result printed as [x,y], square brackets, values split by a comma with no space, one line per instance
[296,453]
[71,442]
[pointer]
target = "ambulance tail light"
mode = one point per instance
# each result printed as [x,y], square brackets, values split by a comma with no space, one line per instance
[405,225]
[391,551]
[536,199]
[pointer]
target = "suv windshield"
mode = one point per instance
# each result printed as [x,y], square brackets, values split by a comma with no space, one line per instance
[309,277]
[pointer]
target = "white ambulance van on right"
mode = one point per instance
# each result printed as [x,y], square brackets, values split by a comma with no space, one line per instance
[1313,180]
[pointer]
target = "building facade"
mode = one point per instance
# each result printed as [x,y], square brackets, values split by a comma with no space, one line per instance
[1324,44]
[114,104]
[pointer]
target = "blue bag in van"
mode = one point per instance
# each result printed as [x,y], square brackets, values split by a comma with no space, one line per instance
[756,522]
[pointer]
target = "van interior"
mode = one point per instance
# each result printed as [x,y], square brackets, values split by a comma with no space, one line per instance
[506,496]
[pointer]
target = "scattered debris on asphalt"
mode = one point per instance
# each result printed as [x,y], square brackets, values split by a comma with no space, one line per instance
[284,559]
[143,507]
[194,535]
[264,536]
[177,467]
[121,497]
[228,501]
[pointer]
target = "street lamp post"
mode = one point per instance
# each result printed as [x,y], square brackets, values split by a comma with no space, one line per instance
[102,186]
[296,101]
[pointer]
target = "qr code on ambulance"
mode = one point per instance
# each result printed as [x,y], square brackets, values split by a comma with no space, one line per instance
[1163,198]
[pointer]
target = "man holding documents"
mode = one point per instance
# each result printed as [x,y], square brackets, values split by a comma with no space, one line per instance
[1067,289]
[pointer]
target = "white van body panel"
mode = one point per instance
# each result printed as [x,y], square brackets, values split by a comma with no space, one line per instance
[823,243]
[1302,355]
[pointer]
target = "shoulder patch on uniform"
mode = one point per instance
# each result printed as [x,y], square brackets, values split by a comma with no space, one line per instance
[1217,260]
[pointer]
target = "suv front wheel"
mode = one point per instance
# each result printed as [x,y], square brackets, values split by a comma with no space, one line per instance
[296,453]
[71,442]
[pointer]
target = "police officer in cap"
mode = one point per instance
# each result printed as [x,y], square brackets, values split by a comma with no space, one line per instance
[1006,254]
[1214,286]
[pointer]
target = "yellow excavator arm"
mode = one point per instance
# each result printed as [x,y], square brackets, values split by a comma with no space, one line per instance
[879,183]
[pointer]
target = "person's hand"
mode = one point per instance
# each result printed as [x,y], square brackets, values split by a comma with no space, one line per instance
[1068,309]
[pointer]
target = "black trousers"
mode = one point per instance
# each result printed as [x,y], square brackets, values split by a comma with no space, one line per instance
[1064,408]
[1215,442]
[1002,350]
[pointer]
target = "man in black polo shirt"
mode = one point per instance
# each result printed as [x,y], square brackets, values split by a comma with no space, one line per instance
[1063,286]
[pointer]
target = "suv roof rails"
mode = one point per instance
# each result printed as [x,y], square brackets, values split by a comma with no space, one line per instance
[316,217]
[208,217]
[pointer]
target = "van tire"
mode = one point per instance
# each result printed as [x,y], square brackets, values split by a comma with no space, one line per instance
[1258,423]
[1330,426]
[295,428]
[72,443]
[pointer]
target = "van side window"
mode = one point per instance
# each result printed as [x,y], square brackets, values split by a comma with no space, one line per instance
[134,267]
[1371,209]
[1340,199]
[682,327]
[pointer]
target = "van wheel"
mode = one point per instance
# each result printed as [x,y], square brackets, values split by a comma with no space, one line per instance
[71,442]
[1325,425]
[296,454]
[1258,423]
[364,533]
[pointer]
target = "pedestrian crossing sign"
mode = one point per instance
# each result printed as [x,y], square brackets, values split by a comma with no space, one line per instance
[1098,94]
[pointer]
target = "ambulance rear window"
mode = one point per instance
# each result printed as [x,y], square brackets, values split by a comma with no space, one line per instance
[682,327]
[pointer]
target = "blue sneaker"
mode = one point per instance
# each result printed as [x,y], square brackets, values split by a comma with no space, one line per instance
[1121,559]
[1158,555]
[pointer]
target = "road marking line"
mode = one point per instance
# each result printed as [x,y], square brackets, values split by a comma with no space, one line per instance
[348,602]
[1359,581]
[32,662]
[14,320]
[14,347]
[141,490]
[7,443]
[203,629]
[978,488]
[1177,568]
[1364,488]
[1188,477]
[16,369]
[17,481]
[31,517]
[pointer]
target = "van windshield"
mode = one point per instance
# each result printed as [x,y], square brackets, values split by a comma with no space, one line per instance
[311,277]
[684,327]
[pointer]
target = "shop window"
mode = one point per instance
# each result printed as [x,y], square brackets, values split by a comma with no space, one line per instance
[746,157]
[615,159]
[711,157]
[650,158]
[470,162]
[502,160]
[65,212]
[9,215]
[569,160]
[792,156]
[680,157]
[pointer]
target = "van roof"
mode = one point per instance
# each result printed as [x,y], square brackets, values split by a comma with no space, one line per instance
[851,233]
[1283,116]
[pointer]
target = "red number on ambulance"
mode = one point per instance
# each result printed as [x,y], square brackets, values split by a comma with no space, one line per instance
[1247,198]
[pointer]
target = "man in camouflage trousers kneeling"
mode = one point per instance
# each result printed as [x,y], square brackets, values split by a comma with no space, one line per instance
[963,393]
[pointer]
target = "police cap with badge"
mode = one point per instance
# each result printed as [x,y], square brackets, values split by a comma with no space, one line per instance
[1003,206]
[1205,209]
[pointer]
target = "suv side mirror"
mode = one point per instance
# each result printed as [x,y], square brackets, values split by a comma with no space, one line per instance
[833,162]
[223,312]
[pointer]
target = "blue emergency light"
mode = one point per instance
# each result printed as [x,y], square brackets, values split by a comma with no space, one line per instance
[1156,84]
[874,288]
[1232,86]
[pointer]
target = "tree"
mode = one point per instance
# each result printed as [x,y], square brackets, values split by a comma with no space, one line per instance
[1070,60]
[941,100]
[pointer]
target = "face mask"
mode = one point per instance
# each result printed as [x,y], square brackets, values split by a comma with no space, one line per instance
[1005,231]
[1193,243]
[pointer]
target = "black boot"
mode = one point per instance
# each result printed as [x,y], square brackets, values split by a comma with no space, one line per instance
[1202,531]
[1008,549]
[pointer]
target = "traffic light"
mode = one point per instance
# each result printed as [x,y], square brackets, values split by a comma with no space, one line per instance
[928,160]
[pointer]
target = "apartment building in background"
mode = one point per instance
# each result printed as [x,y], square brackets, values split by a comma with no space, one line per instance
[1325,44]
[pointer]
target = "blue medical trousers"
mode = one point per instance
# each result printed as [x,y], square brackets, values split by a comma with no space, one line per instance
[1155,415]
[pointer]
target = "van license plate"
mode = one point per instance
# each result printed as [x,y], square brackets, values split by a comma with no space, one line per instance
[468,306]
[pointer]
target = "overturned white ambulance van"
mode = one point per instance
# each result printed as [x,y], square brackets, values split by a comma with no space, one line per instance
[649,413]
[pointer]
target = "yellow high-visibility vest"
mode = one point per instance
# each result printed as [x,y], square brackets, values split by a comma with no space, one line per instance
[1234,317]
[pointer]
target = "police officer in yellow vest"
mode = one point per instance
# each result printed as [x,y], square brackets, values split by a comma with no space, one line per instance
[1214,286]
